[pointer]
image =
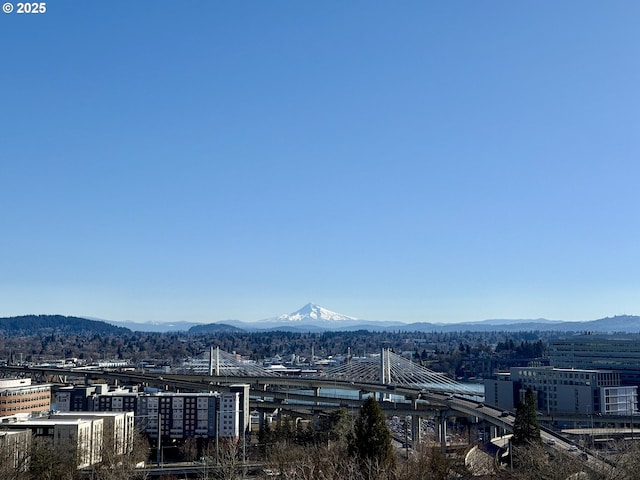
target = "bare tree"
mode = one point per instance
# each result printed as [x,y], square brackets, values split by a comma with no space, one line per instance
[222,460]
[428,462]
[621,462]
[229,459]
[118,466]
[535,461]
[282,457]
[14,459]
[189,449]
[53,463]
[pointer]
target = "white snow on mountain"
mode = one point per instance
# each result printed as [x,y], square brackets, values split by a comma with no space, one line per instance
[311,313]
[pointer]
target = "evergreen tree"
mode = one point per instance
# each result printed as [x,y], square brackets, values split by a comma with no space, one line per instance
[335,426]
[371,439]
[525,426]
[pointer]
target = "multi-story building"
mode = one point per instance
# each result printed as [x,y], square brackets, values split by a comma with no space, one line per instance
[118,400]
[20,396]
[95,398]
[228,415]
[242,390]
[182,415]
[118,428]
[172,415]
[620,353]
[77,398]
[15,448]
[564,391]
[501,392]
[79,438]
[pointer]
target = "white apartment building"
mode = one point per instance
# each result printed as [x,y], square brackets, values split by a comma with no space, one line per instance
[79,437]
[229,415]
[15,448]
[118,428]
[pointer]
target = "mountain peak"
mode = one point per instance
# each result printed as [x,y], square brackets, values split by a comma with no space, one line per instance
[313,313]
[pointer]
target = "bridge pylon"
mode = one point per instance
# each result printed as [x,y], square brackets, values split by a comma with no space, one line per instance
[385,367]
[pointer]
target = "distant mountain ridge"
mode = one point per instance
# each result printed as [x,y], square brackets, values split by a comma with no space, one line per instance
[616,324]
[46,324]
[152,326]
[309,318]
[313,318]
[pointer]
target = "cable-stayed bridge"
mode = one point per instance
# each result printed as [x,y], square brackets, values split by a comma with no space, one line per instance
[391,369]
[385,369]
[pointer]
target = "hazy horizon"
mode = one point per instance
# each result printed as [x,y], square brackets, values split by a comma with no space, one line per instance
[374,320]
[425,161]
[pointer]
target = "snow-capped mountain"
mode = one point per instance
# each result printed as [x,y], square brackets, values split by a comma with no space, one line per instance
[311,313]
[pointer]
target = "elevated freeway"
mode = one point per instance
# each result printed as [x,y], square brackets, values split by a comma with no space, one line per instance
[307,395]
[285,392]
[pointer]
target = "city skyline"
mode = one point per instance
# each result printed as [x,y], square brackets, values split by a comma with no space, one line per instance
[424,162]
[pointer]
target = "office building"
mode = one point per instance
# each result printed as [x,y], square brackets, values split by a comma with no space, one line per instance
[20,396]
[620,353]
[563,391]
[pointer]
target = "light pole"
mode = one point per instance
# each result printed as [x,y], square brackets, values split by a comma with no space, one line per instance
[217,436]
[406,436]
[631,412]
[592,439]
[159,452]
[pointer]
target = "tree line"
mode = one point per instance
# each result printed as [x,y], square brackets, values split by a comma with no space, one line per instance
[461,354]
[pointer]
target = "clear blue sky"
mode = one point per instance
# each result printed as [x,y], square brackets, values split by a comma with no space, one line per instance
[413,161]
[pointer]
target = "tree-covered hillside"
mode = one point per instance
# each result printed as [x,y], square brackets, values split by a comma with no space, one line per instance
[48,324]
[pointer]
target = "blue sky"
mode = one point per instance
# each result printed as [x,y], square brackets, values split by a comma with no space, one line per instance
[413,161]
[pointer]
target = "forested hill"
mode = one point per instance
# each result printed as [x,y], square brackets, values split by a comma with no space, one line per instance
[214,328]
[47,324]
